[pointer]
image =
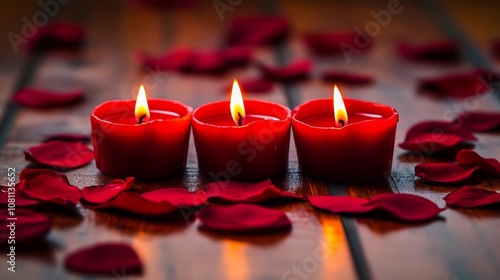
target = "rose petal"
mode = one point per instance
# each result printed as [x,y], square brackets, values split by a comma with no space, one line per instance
[60,154]
[70,137]
[49,186]
[237,56]
[294,71]
[460,85]
[345,78]
[335,43]
[444,172]
[472,197]
[29,225]
[21,200]
[56,35]
[254,85]
[243,218]
[467,157]
[256,31]
[402,207]
[176,60]
[103,193]
[177,197]
[135,203]
[433,136]
[36,98]
[105,258]
[209,63]
[235,192]
[442,51]
[479,121]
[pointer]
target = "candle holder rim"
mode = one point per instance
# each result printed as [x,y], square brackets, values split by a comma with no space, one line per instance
[394,114]
[186,117]
[281,119]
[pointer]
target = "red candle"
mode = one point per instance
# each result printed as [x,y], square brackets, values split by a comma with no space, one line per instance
[241,140]
[143,138]
[346,141]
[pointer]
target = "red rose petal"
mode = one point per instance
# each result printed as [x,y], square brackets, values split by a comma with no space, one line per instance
[209,63]
[243,218]
[71,137]
[29,225]
[433,136]
[177,197]
[56,35]
[444,51]
[479,121]
[135,203]
[467,157]
[256,31]
[460,85]
[105,258]
[337,77]
[174,60]
[21,200]
[253,85]
[294,71]
[36,98]
[472,197]
[103,193]
[402,207]
[60,154]
[49,186]
[237,56]
[235,192]
[336,43]
[444,172]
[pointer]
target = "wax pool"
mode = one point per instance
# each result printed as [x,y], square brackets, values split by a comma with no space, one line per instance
[360,150]
[156,148]
[257,149]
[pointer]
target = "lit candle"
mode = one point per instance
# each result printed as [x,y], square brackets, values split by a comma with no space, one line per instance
[241,140]
[141,138]
[346,139]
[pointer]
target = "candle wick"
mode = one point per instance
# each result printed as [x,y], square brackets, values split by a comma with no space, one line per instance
[342,123]
[141,118]
[240,119]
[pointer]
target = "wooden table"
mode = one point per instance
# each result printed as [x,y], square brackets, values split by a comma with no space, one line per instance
[462,245]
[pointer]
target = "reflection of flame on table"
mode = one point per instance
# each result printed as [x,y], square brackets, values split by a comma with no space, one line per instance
[331,247]
[234,260]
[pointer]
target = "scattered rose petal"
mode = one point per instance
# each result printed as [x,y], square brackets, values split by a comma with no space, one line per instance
[105,258]
[60,154]
[21,200]
[472,197]
[256,31]
[235,192]
[36,98]
[29,225]
[460,85]
[479,121]
[70,137]
[467,157]
[177,197]
[440,51]
[48,186]
[345,78]
[336,43]
[434,136]
[402,207]
[243,218]
[174,60]
[294,71]
[253,85]
[103,193]
[444,172]
[237,56]
[56,35]
[209,63]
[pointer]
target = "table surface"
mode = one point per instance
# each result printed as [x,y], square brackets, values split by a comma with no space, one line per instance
[462,245]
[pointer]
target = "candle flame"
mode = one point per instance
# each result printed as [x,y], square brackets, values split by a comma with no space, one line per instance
[141,106]
[236,105]
[339,108]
